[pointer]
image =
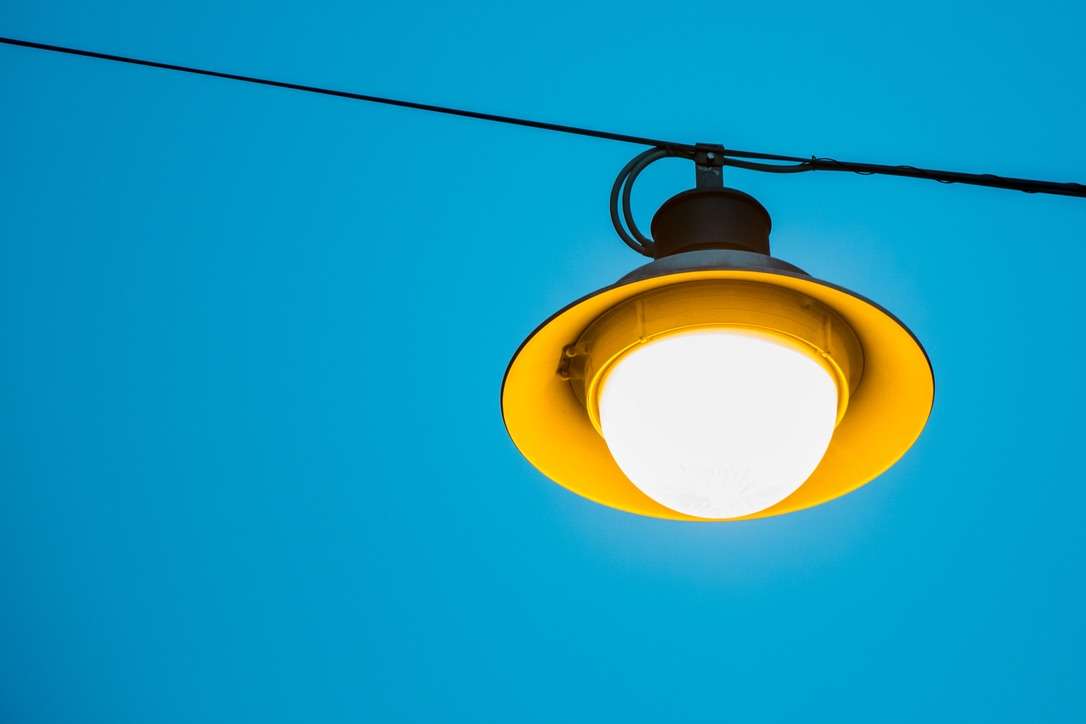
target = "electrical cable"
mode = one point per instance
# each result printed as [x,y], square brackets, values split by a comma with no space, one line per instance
[560,128]
[641,164]
[616,191]
[739,159]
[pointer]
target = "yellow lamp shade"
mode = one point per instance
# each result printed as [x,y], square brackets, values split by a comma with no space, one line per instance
[878,374]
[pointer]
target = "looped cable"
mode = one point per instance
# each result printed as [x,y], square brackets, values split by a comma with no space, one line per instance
[771,167]
[628,231]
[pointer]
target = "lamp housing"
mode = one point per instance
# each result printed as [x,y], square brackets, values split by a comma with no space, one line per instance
[712,273]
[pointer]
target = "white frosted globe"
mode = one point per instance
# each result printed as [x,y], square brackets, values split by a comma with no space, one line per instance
[717,423]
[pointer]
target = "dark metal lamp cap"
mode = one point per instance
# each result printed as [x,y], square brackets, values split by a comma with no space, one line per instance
[721,218]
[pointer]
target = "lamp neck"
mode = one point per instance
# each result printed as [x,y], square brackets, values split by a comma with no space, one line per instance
[710,218]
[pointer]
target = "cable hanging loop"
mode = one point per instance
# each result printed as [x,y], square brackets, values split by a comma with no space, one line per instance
[624,223]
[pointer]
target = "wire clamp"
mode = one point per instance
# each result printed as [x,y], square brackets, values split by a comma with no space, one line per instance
[709,165]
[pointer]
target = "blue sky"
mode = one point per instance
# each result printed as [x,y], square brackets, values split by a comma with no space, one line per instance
[252,463]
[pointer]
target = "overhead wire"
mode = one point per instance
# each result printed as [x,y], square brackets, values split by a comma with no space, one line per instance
[542,125]
[748,160]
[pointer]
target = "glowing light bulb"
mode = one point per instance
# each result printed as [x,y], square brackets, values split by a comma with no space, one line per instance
[717,423]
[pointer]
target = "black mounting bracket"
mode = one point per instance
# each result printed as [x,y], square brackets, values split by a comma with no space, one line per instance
[709,166]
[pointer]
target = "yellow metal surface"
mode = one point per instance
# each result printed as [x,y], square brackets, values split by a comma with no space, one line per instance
[786,316]
[887,407]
